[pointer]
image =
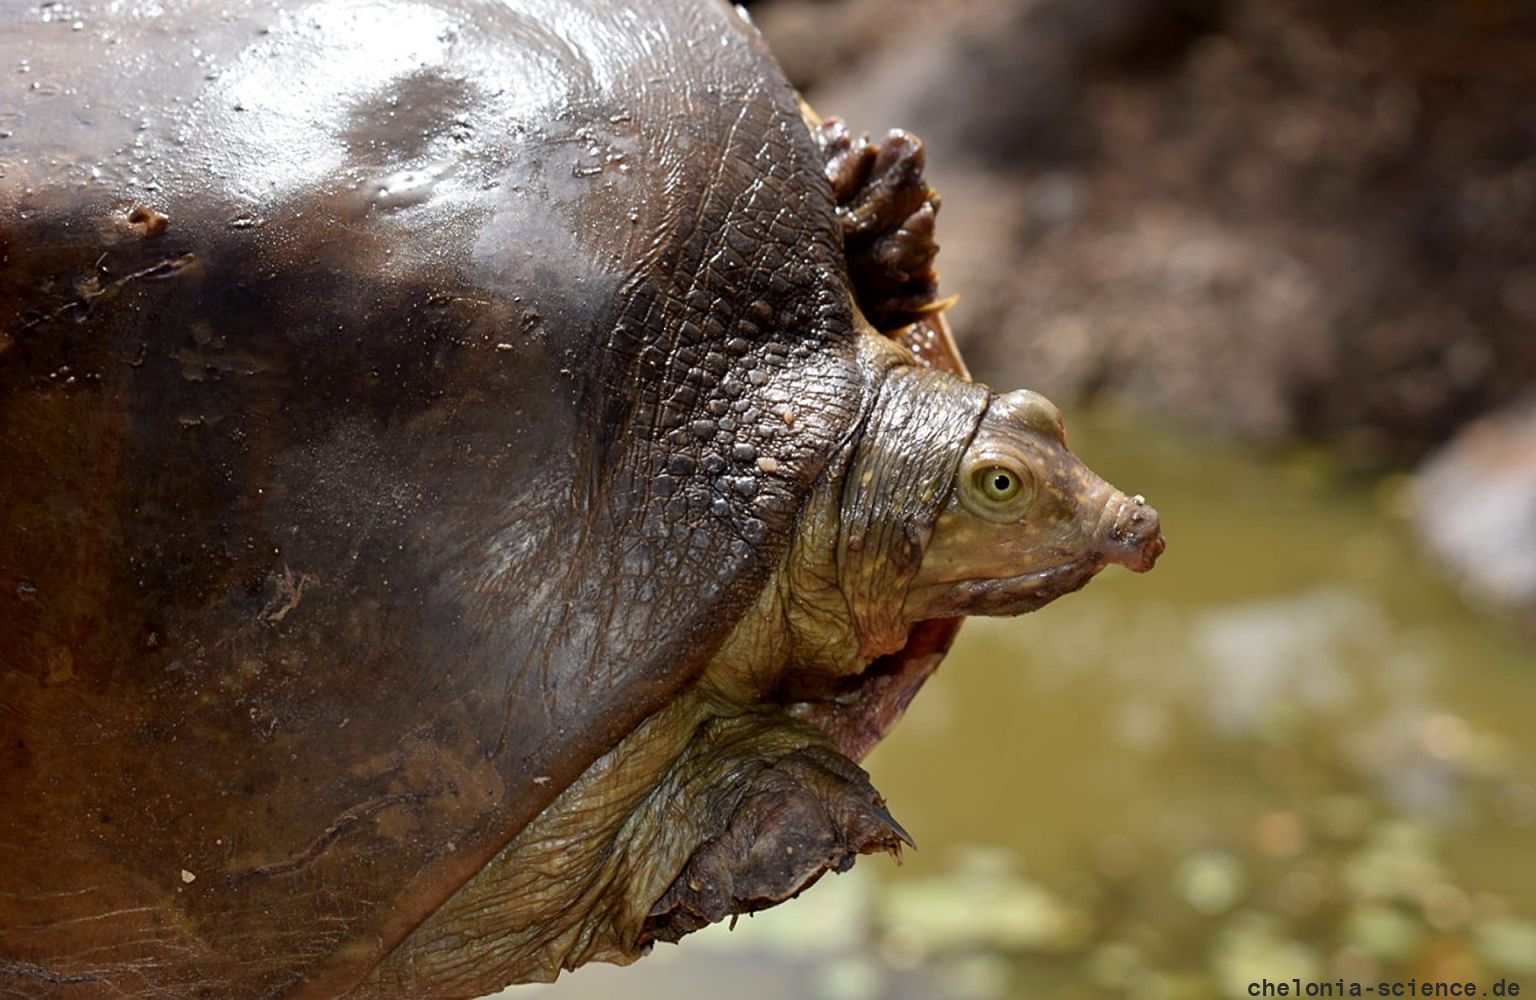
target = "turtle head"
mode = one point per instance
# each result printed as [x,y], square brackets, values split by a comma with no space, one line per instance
[1025,520]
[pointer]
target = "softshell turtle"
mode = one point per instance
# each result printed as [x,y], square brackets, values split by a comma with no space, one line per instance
[458,520]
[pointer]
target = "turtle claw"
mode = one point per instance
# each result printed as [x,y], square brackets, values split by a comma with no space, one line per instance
[895,827]
[808,813]
[887,210]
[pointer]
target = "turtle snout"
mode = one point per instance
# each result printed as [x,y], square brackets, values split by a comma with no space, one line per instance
[1135,538]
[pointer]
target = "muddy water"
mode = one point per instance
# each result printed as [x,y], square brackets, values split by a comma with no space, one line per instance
[1291,751]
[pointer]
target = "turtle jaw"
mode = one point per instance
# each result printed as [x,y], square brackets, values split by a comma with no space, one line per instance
[1126,531]
[1014,595]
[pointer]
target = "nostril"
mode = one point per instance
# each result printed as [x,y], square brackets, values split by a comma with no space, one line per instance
[1135,538]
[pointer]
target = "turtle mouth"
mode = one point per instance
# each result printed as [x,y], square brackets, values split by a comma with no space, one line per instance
[1014,595]
[855,712]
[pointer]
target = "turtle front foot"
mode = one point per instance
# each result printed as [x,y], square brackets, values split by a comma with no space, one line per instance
[809,812]
[887,211]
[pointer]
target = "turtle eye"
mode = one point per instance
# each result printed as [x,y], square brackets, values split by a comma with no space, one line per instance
[997,491]
[997,483]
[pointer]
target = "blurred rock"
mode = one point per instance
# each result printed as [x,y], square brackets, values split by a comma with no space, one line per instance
[1383,932]
[1113,966]
[984,904]
[1255,947]
[817,39]
[1475,506]
[1210,881]
[1508,944]
[1397,861]
[1276,218]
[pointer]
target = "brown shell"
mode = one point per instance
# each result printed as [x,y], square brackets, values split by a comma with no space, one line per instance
[382,388]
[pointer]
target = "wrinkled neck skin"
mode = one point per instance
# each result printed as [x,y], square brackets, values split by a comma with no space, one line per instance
[863,540]
[955,501]
[837,602]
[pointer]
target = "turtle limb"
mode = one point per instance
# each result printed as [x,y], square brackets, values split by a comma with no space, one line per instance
[703,812]
[887,210]
[792,820]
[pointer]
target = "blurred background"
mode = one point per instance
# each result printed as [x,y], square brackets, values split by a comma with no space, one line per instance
[1276,259]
